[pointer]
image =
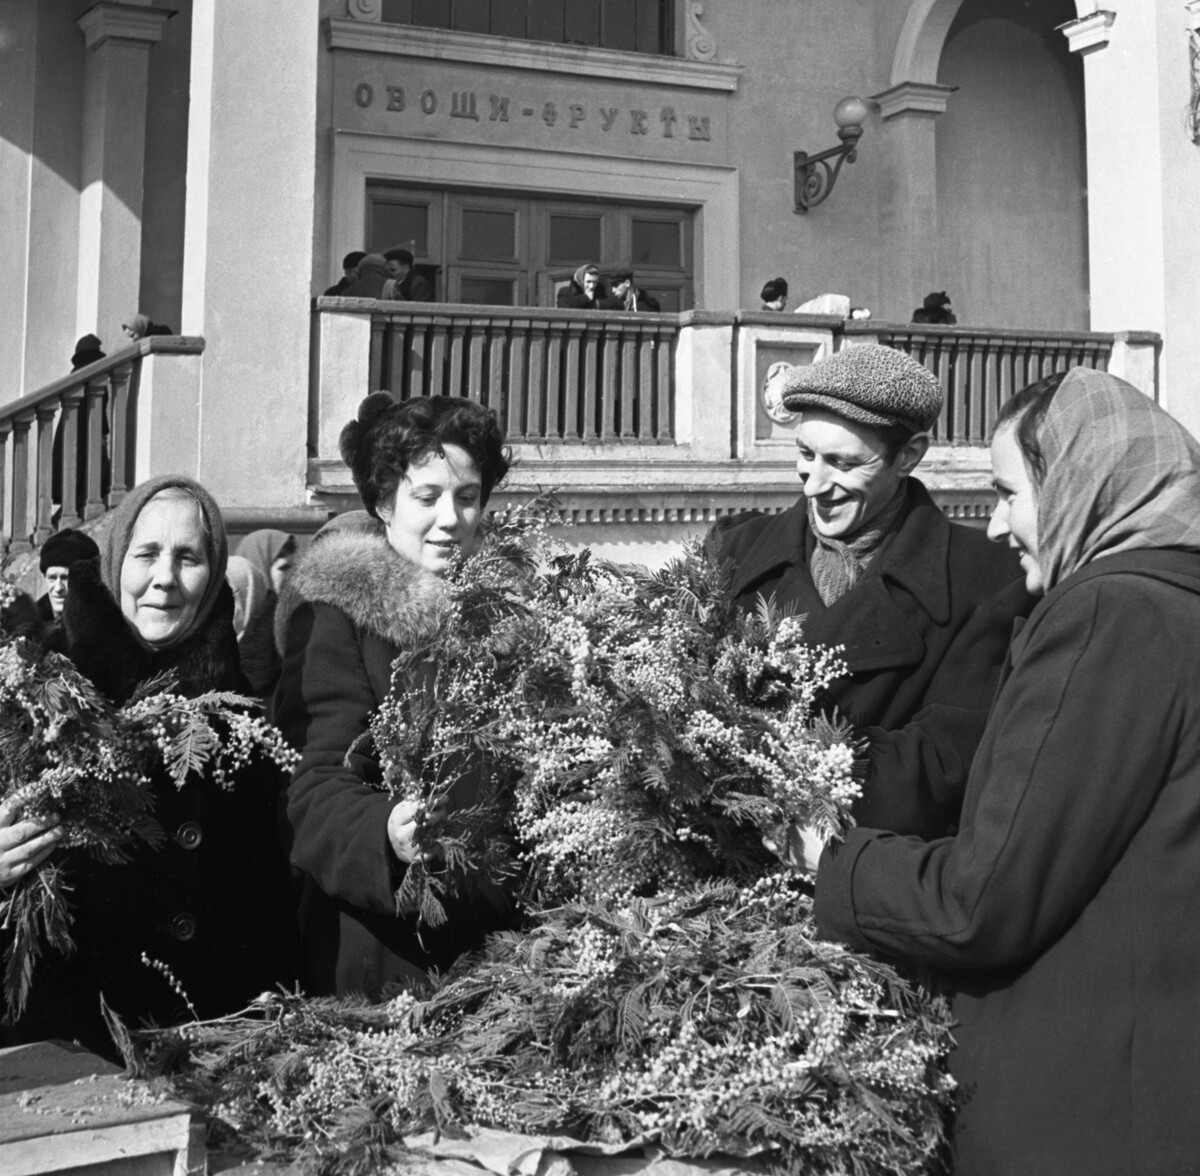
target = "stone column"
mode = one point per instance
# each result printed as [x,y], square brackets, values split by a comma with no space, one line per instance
[118,39]
[908,215]
[248,243]
[1143,176]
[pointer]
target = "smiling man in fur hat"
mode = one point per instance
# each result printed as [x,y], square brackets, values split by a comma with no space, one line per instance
[922,607]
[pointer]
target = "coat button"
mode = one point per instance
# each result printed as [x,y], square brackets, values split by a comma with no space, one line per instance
[183,927]
[188,835]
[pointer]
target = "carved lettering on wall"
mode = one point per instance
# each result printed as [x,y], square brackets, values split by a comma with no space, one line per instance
[666,122]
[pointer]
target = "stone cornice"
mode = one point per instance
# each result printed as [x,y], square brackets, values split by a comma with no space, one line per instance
[509,53]
[130,23]
[921,99]
[1089,33]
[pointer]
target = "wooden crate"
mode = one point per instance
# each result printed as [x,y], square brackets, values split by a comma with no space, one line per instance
[63,1109]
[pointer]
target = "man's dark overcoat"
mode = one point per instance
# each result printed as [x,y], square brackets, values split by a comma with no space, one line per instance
[1063,912]
[928,624]
[350,609]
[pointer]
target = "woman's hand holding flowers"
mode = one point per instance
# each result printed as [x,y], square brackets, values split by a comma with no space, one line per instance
[405,822]
[24,845]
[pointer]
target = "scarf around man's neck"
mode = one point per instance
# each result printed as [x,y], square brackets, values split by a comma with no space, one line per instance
[837,564]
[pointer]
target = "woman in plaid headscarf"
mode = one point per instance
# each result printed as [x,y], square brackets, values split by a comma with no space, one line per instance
[1062,914]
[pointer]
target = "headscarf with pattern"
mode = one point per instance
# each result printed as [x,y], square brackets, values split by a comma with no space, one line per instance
[1121,475]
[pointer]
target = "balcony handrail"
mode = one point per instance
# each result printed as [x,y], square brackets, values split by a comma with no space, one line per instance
[81,455]
[966,332]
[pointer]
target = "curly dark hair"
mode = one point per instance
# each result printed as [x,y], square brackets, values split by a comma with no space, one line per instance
[1027,408]
[387,436]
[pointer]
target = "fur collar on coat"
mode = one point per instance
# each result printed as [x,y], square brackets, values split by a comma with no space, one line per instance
[105,649]
[359,574]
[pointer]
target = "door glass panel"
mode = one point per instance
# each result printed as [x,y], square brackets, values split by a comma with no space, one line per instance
[620,25]
[397,12]
[574,239]
[471,16]
[546,20]
[671,301]
[396,225]
[434,13]
[488,236]
[488,291]
[656,243]
[654,20]
[582,22]
[508,18]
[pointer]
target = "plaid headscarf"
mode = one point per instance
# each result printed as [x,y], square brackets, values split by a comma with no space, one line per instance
[1121,475]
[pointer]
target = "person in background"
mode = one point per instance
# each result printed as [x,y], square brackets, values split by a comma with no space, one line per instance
[424,469]
[935,310]
[59,554]
[141,327]
[371,277]
[922,607]
[584,292]
[249,588]
[87,351]
[272,554]
[774,294]
[349,273]
[405,284]
[212,903]
[1062,913]
[626,296]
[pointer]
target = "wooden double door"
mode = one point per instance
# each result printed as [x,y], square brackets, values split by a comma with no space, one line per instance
[518,251]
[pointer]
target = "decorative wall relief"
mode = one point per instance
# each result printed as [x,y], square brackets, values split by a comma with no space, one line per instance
[364,9]
[701,44]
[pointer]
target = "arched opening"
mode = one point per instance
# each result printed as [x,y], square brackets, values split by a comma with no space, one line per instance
[1011,167]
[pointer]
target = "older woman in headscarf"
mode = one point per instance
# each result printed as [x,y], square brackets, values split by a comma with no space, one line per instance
[211,904]
[272,553]
[1062,914]
[585,290]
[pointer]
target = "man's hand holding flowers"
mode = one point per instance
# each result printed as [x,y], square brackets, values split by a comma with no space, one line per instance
[24,845]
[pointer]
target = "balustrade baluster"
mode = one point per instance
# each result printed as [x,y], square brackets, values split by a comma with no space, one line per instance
[378,329]
[456,360]
[591,349]
[515,383]
[976,387]
[72,412]
[536,391]
[644,384]
[665,347]
[571,393]
[435,384]
[43,479]
[556,413]
[97,395]
[611,376]
[5,533]
[21,522]
[476,348]
[120,419]
[636,422]
[416,373]
[397,344]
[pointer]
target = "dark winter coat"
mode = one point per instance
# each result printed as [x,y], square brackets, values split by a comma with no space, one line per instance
[414,288]
[927,624]
[355,607]
[212,904]
[1064,911]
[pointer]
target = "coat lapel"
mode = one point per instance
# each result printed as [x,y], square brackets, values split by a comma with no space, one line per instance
[780,543]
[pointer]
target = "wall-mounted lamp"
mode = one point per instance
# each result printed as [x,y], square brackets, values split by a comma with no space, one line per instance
[812,186]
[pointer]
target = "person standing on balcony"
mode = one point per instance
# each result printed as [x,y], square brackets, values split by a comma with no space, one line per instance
[774,294]
[405,284]
[585,291]
[349,273]
[922,607]
[357,600]
[372,277]
[626,296]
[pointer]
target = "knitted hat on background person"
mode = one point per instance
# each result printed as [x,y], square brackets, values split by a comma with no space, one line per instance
[775,288]
[870,384]
[87,350]
[619,276]
[352,259]
[403,256]
[67,547]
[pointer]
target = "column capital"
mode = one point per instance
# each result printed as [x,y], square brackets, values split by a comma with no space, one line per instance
[135,23]
[924,99]
[1193,15]
[1090,32]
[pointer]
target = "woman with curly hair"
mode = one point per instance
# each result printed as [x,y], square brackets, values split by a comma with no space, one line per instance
[359,598]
